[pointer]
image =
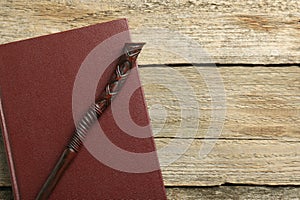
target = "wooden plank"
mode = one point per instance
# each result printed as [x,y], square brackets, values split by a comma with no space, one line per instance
[4,173]
[223,192]
[259,102]
[234,192]
[6,194]
[262,113]
[258,162]
[226,31]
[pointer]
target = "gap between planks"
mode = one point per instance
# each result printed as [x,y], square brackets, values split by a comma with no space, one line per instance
[219,65]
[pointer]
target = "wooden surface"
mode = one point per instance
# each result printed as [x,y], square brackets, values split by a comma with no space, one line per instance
[234,192]
[256,155]
[259,143]
[247,31]
[220,193]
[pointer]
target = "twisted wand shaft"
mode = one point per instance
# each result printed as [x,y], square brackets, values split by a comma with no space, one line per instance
[126,62]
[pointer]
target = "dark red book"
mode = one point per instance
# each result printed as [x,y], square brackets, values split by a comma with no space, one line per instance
[45,83]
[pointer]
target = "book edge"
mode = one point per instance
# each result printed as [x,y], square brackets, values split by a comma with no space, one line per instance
[8,152]
[152,141]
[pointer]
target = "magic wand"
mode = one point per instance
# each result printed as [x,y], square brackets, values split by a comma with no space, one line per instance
[126,62]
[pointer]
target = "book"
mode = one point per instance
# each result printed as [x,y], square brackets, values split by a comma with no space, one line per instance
[41,81]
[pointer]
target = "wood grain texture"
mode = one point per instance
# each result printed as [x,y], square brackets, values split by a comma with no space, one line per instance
[234,192]
[259,102]
[6,194]
[4,172]
[258,162]
[259,141]
[218,193]
[225,31]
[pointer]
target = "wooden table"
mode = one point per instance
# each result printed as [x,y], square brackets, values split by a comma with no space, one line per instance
[242,93]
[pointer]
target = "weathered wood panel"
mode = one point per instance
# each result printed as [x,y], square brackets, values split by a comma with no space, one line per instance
[259,162]
[228,31]
[260,128]
[6,194]
[234,192]
[4,173]
[218,193]
[260,102]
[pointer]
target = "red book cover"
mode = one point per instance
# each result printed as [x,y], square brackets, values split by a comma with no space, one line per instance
[46,84]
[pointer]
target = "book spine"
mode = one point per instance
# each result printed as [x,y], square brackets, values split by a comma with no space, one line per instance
[8,152]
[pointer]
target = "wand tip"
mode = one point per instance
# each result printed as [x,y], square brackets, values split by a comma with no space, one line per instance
[133,49]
